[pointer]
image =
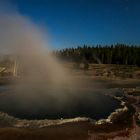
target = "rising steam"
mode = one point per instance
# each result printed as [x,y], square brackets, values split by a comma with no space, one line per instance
[38,73]
[26,43]
[42,83]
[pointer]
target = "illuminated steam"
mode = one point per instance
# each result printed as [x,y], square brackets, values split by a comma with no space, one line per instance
[42,86]
[37,71]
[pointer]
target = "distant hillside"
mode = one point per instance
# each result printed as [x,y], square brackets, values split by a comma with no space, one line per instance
[113,54]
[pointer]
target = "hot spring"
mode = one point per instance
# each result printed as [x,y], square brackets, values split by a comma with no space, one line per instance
[84,103]
[44,89]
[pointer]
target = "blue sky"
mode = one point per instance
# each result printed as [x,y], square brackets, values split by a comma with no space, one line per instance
[70,23]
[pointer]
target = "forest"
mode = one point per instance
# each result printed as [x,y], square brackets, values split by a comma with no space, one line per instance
[108,54]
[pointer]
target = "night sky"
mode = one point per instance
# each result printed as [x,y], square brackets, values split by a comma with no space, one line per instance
[70,23]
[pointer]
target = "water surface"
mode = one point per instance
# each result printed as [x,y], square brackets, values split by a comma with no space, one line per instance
[44,105]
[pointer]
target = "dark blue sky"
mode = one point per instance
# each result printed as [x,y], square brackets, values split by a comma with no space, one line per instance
[76,22]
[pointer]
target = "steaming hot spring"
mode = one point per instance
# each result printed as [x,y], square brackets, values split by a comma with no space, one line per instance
[68,104]
[43,89]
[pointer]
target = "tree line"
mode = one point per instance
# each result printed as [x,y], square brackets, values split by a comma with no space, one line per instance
[108,54]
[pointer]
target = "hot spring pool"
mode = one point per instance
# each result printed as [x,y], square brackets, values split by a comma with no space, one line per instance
[41,105]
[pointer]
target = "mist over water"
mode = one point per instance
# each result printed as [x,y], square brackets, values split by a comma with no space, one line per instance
[43,87]
[41,81]
[36,67]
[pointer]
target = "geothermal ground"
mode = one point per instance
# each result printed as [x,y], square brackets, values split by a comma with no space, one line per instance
[120,124]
